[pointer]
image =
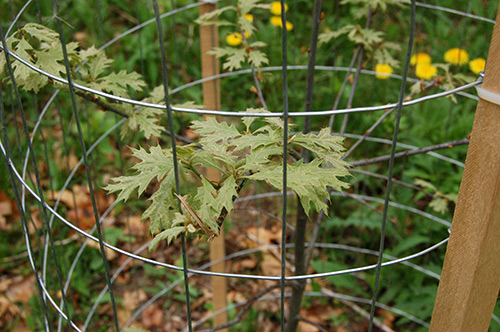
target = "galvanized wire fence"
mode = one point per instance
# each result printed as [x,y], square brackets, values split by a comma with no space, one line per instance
[28,146]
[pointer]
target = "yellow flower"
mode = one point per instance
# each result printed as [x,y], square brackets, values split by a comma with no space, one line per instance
[420,58]
[456,56]
[276,21]
[248,17]
[276,8]
[477,65]
[235,38]
[383,70]
[425,71]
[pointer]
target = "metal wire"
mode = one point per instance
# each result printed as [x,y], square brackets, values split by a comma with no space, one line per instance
[14,174]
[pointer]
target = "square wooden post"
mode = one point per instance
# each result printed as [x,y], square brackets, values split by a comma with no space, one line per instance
[470,280]
[209,38]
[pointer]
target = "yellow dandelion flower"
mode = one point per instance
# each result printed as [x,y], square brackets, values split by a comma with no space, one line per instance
[276,21]
[425,71]
[276,8]
[383,71]
[235,38]
[456,56]
[420,58]
[477,65]
[248,17]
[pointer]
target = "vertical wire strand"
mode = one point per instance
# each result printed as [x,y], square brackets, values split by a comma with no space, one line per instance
[391,164]
[174,154]
[285,158]
[24,221]
[87,170]
[35,169]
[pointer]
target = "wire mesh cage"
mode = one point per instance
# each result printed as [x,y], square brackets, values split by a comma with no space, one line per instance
[63,139]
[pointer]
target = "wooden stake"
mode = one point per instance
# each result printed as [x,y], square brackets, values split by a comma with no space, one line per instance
[209,38]
[470,280]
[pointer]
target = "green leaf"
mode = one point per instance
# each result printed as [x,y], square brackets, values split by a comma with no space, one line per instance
[155,164]
[226,193]
[168,234]
[253,141]
[246,25]
[258,44]
[249,120]
[440,205]
[326,36]
[366,37]
[23,49]
[221,52]
[246,6]
[117,83]
[257,58]
[234,61]
[147,122]
[163,206]
[327,147]
[208,209]
[49,61]
[206,18]
[212,131]
[308,181]
[98,64]
[425,184]
[259,157]
[40,32]
[205,159]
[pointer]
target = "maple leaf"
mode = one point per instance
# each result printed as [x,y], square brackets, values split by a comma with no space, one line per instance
[155,164]
[208,18]
[309,181]
[246,6]
[246,25]
[163,206]
[259,157]
[234,61]
[117,83]
[40,32]
[212,131]
[168,234]
[49,61]
[257,58]
[327,147]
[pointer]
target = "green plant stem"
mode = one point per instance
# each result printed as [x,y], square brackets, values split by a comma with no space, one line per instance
[300,239]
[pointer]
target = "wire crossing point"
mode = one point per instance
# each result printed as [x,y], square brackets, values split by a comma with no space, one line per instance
[470,280]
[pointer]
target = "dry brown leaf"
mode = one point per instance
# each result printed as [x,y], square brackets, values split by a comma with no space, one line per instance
[152,316]
[264,235]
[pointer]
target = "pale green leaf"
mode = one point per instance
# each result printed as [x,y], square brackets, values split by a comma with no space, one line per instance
[246,6]
[40,32]
[308,181]
[207,17]
[205,159]
[189,104]
[51,61]
[258,44]
[234,61]
[249,120]
[253,141]
[34,82]
[257,58]
[154,164]
[367,37]
[168,234]
[226,194]
[425,184]
[326,36]
[439,205]
[163,206]
[246,25]
[23,49]
[116,83]
[98,64]
[212,131]
[220,52]
[327,147]
[90,52]
[208,209]
[259,157]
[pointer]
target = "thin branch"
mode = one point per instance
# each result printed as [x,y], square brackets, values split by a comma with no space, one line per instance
[407,153]
[108,107]
[379,121]
[243,311]
[310,322]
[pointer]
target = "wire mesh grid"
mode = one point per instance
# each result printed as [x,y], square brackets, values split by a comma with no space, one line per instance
[27,184]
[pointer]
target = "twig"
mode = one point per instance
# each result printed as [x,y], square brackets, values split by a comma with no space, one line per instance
[310,322]
[113,109]
[411,152]
[245,308]
[363,313]
[379,121]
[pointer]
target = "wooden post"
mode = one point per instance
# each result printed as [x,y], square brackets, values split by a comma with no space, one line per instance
[209,38]
[470,280]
